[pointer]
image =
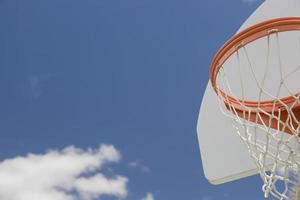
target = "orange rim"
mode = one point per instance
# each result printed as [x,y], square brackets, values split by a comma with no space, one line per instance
[241,39]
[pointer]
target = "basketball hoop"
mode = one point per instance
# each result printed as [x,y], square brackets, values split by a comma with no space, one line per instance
[268,122]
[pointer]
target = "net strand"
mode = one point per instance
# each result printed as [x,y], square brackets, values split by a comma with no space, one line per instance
[276,154]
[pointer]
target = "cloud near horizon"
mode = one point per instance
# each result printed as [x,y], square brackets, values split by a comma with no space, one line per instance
[139,165]
[149,196]
[68,174]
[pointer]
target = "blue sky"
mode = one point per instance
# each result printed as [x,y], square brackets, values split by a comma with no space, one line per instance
[127,73]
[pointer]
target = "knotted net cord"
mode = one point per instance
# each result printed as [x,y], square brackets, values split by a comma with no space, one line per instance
[275,152]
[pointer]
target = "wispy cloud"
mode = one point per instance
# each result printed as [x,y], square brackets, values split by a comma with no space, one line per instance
[35,84]
[149,196]
[139,165]
[68,174]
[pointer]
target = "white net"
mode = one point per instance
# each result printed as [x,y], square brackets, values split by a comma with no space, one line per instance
[265,71]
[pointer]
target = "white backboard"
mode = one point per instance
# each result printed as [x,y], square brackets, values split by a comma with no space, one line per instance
[224,157]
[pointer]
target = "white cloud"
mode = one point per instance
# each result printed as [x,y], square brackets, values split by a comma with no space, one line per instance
[69,174]
[149,196]
[138,164]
